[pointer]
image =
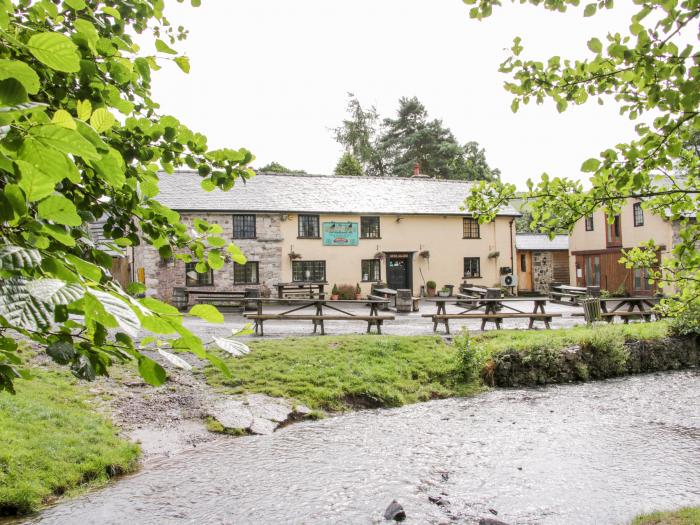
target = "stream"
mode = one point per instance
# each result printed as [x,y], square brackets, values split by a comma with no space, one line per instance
[591,453]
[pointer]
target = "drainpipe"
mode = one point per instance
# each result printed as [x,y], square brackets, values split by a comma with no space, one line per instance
[512,255]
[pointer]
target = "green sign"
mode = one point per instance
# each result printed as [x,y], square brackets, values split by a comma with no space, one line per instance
[340,233]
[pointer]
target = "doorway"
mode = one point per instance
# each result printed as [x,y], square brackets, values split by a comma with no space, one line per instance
[398,271]
[525,272]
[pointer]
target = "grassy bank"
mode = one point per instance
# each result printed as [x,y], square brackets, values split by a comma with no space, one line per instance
[686,516]
[53,442]
[341,373]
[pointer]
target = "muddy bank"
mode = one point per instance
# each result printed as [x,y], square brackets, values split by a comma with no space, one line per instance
[590,361]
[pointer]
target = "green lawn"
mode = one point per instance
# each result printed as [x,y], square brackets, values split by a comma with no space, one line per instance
[686,516]
[52,442]
[345,372]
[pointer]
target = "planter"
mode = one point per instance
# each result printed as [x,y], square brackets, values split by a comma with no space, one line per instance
[358,296]
[334,297]
[443,293]
[431,292]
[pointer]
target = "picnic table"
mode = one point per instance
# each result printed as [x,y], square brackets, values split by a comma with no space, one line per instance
[384,293]
[296,289]
[639,303]
[216,297]
[491,311]
[318,317]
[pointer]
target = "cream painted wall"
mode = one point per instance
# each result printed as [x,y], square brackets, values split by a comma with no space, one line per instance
[655,228]
[441,235]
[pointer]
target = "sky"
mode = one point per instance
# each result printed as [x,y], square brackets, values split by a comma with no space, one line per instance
[273,76]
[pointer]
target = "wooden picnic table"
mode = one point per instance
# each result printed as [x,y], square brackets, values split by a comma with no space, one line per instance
[318,317]
[312,288]
[640,303]
[491,307]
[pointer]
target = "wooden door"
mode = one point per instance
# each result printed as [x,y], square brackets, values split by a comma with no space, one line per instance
[525,271]
[397,272]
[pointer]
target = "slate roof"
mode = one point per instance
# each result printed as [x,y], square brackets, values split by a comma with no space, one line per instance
[96,233]
[540,242]
[281,193]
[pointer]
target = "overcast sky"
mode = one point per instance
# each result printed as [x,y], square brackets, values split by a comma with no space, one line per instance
[273,76]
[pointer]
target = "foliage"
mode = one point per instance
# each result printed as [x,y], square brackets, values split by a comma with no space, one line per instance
[431,284]
[358,290]
[349,165]
[684,516]
[334,290]
[391,147]
[687,323]
[651,71]
[604,352]
[66,69]
[276,167]
[53,441]
[471,357]
[346,291]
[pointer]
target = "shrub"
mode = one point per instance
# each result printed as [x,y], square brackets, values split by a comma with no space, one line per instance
[687,323]
[604,353]
[335,290]
[358,290]
[471,357]
[346,291]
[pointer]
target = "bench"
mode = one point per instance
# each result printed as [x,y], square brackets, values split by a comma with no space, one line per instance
[496,318]
[385,306]
[219,298]
[626,316]
[318,320]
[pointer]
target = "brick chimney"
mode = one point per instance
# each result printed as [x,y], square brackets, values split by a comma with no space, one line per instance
[417,174]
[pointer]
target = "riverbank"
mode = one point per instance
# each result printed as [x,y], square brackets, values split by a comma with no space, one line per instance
[685,516]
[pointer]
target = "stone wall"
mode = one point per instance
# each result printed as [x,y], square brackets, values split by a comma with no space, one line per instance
[162,276]
[542,271]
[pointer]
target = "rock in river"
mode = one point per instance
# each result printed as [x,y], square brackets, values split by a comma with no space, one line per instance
[395,512]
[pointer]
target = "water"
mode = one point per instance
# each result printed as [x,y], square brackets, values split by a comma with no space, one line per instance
[595,453]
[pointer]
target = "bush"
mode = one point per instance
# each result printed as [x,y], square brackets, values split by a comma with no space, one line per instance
[471,357]
[346,291]
[604,353]
[687,323]
[431,284]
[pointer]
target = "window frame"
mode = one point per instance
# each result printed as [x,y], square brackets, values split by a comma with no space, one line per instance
[363,232]
[464,267]
[470,229]
[191,266]
[303,271]
[246,227]
[613,239]
[638,214]
[590,225]
[318,226]
[244,266]
[378,263]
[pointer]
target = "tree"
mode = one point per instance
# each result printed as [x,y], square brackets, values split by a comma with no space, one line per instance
[349,165]
[651,70]
[276,167]
[475,165]
[66,67]
[360,134]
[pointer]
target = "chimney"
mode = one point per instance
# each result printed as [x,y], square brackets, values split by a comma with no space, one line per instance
[416,169]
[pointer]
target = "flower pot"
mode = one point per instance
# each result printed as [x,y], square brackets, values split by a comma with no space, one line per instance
[358,296]
[443,293]
[431,292]
[334,297]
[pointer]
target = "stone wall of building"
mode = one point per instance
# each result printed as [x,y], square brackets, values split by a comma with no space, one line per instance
[162,276]
[542,271]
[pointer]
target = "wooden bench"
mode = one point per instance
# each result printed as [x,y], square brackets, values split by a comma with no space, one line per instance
[218,298]
[318,320]
[385,306]
[495,318]
[626,316]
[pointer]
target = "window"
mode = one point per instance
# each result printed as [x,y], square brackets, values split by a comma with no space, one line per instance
[192,278]
[641,279]
[589,223]
[523,262]
[244,226]
[471,228]
[309,271]
[614,232]
[638,214]
[371,270]
[369,228]
[245,273]
[308,227]
[472,268]
[592,275]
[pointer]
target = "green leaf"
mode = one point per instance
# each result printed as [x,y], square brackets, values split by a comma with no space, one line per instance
[86,269]
[183,63]
[59,233]
[207,312]
[102,120]
[62,352]
[215,260]
[84,109]
[111,12]
[13,258]
[164,48]
[590,165]
[12,92]
[63,118]
[55,291]
[236,254]
[595,45]
[151,371]
[35,183]
[120,310]
[20,308]
[56,51]
[60,210]
[76,5]
[55,165]
[65,141]
[590,10]
[110,169]
[21,72]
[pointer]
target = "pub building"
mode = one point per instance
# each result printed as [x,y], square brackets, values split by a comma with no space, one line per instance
[334,230]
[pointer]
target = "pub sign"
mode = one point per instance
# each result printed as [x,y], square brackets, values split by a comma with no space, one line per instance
[340,233]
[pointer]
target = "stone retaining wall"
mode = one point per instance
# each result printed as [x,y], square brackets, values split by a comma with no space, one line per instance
[514,368]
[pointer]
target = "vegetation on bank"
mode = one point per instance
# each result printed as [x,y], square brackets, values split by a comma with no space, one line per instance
[345,372]
[54,442]
[685,516]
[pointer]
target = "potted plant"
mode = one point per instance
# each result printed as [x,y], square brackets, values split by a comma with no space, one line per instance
[444,292]
[431,286]
[334,293]
[358,292]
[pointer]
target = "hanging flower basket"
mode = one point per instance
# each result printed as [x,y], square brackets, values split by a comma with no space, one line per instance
[294,255]
[425,254]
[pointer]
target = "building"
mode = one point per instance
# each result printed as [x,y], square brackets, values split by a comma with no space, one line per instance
[337,230]
[596,246]
[541,261]
[121,268]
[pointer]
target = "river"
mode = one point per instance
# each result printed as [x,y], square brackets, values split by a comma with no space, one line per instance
[592,453]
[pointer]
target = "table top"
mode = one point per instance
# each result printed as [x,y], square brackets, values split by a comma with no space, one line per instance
[494,300]
[622,299]
[571,288]
[388,291]
[217,292]
[304,284]
[332,301]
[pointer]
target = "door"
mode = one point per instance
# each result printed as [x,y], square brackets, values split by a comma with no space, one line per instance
[397,272]
[525,272]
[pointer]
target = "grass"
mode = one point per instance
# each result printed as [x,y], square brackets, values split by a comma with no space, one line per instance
[346,372]
[686,516]
[54,442]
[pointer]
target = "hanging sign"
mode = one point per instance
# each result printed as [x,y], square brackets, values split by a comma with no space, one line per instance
[340,233]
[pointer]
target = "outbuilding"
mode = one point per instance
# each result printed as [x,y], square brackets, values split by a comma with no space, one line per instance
[541,261]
